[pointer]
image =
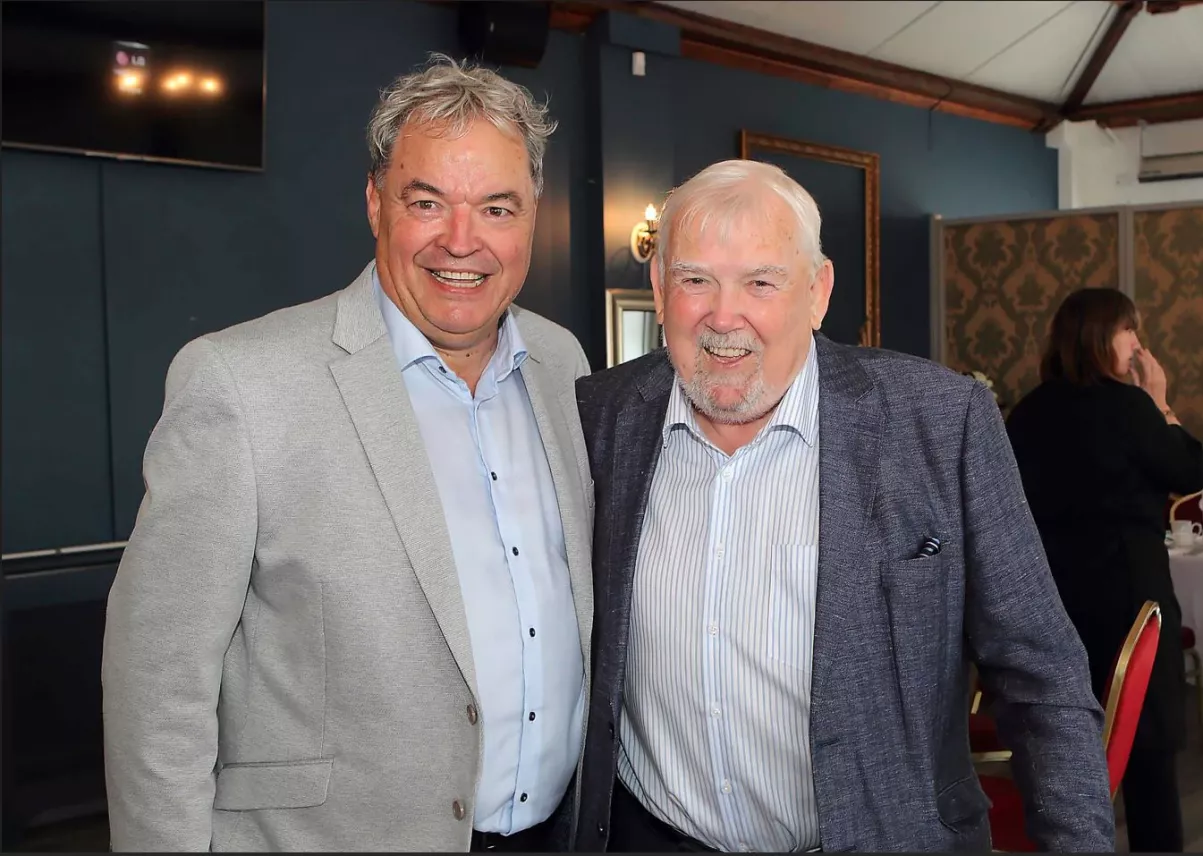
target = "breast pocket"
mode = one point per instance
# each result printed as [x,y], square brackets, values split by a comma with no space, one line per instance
[793,573]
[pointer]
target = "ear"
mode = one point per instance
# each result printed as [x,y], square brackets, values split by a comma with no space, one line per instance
[657,288]
[820,293]
[373,199]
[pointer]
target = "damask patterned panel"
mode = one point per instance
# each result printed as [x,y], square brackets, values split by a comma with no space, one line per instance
[1003,281]
[1169,295]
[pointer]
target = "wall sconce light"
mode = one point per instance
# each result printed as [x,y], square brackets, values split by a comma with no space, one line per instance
[643,236]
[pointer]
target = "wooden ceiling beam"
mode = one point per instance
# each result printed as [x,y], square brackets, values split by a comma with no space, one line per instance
[1159,108]
[1102,52]
[738,46]
[1161,7]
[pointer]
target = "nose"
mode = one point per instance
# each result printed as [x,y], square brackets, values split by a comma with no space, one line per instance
[460,240]
[725,313]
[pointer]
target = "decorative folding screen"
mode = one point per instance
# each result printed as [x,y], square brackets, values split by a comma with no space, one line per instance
[1001,281]
[1168,290]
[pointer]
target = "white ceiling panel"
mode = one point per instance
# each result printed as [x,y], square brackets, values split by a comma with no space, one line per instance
[959,36]
[1036,48]
[1046,63]
[856,26]
[1158,55]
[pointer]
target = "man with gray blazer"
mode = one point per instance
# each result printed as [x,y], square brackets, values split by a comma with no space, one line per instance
[355,611]
[799,548]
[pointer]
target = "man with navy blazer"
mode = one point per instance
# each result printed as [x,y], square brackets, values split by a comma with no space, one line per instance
[799,549]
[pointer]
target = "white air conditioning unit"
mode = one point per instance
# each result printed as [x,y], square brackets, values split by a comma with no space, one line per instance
[1171,151]
[1171,167]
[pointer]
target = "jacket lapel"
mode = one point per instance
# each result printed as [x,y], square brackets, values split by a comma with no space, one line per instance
[850,425]
[379,405]
[549,409]
[635,452]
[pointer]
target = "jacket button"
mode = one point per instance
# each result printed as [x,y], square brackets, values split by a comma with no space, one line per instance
[601,831]
[457,809]
[611,727]
[472,713]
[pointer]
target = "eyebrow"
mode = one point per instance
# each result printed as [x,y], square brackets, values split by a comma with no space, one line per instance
[419,186]
[701,270]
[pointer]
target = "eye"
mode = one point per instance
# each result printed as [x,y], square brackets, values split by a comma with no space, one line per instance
[692,280]
[425,204]
[497,211]
[761,284]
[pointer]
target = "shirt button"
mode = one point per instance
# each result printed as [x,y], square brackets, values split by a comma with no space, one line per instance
[743,848]
[532,632]
[726,786]
[532,716]
[457,810]
[472,713]
[494,475]
[714,711]
[712,630]
[726,474]
[515,551]
[522,798]
[718,551]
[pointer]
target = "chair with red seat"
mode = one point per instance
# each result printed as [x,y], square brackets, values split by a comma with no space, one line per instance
[1125,697]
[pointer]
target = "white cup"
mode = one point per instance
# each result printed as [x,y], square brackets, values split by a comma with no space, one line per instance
[1185,532]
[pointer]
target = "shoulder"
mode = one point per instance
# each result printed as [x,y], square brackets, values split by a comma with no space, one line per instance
[550,341]
[895,376]
[279,335]
[627,378]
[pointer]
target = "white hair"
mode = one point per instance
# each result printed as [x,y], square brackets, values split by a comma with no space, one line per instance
[453,95]
[722,192]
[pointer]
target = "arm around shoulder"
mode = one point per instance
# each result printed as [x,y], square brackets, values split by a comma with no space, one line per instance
[174,605]
[1027,650]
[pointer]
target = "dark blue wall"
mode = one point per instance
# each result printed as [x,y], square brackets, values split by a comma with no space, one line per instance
[108,268]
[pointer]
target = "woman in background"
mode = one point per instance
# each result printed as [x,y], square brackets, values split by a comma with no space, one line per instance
[1099,451]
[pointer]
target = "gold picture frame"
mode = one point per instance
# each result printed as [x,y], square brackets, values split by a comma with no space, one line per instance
[870,162]
[621,303]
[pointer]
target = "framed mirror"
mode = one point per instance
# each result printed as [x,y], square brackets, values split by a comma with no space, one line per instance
[846,185]
[631,326]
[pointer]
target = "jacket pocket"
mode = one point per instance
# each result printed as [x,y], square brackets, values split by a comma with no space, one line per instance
[269,784]
[962,805]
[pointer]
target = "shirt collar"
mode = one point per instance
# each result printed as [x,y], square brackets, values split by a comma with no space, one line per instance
[411,347]
[798,409]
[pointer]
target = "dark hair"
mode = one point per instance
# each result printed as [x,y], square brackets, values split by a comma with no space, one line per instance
[1079,343]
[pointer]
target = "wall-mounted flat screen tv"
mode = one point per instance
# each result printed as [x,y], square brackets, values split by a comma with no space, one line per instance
[179,81]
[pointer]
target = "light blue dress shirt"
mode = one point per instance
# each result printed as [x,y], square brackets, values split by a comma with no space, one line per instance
[500,506]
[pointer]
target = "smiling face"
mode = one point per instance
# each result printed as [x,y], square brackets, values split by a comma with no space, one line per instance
[454,220]
[738,307]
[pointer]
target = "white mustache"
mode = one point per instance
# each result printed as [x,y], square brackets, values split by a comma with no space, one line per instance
[742,341]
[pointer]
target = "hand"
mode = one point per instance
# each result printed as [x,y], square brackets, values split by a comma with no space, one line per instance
[1150,377]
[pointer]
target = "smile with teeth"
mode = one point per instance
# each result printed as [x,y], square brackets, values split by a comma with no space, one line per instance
[459,278]
[728,353]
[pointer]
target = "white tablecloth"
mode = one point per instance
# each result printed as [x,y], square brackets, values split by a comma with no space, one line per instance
[1187,572]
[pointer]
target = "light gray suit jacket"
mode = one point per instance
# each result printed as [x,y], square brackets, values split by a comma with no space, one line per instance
[286,661]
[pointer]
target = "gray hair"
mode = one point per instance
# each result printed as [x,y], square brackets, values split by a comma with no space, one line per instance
[454,95]
[722,191]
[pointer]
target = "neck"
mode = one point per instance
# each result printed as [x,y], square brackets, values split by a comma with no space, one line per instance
[468,361]
[728,437]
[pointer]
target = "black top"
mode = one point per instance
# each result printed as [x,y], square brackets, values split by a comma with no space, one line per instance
[1098,464]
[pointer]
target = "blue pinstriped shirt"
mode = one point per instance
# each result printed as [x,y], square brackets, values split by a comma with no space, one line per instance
[715,726]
